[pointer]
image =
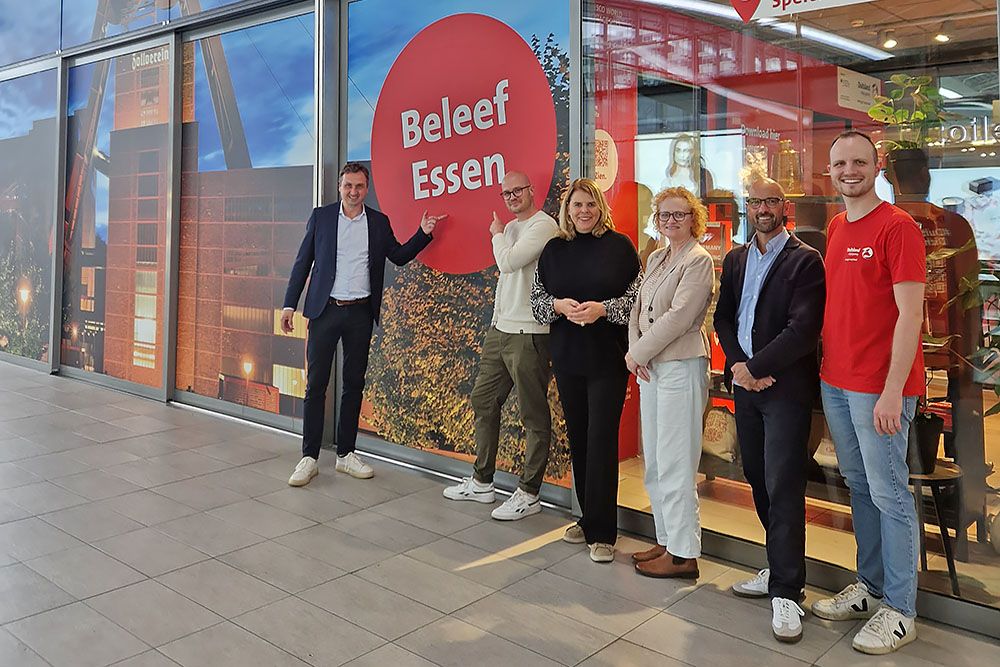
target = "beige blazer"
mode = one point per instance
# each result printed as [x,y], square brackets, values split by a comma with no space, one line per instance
[677,308]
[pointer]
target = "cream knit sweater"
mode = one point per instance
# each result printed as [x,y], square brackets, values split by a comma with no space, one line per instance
[516,251]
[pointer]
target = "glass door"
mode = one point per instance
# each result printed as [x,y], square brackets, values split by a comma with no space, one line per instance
[118,143]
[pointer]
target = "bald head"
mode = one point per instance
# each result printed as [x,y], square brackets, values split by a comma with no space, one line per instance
[765,187]
[766,209]
[518,194]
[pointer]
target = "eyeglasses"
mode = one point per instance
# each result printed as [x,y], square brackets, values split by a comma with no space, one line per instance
[513,193]
[664,216]
[755,202]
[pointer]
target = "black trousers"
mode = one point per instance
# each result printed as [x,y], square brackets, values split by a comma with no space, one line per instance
[593,410]
[353,325]
[774,434]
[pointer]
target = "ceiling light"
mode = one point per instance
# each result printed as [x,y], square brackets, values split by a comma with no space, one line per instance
[949,94]
[887,38]
[942,35]
[805,32]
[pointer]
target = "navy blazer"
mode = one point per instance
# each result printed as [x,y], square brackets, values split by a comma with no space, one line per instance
[317,258]
[787,321]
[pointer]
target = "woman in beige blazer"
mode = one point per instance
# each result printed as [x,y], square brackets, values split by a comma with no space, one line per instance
[668,352]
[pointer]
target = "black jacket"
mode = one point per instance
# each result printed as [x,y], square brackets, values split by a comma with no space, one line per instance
[317,258]
[787,321]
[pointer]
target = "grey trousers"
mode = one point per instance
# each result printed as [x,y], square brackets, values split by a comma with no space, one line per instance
[520,362]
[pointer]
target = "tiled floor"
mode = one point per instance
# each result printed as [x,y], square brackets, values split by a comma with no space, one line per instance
[135,533]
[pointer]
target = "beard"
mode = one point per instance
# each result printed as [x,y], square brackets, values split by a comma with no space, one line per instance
[767,225]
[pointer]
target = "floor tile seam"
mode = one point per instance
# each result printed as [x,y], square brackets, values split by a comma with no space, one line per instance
[601,591]
[314,523]
[284,596]
[492,634]
[754,641]
[374,508]
[492,589]
[38,514]
[386,588]
[357,508]
[639,646]
[147,646]
[425,604]
[158,529]
[577,620]
[144,576]
[341,571]
[614,636]
[263,639]
[372,545]
[42,516]
[441,614]
[222,619]
[393,643]
[520,577]
[329,524]
[110,555]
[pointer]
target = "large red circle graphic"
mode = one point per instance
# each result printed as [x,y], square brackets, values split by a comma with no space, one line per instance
[465,102]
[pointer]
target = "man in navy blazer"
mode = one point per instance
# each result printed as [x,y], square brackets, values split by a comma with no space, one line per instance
[343,253]
[768,319]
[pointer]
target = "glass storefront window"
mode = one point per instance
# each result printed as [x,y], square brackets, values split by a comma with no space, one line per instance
[90,20]
[684,93]
[117,133]
[28,29]
[28,141]
[246,193]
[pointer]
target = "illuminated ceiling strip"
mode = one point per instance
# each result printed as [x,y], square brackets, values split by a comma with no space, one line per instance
[807,32]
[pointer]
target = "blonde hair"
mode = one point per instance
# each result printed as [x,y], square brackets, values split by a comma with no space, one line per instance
[699,217]
[567,229]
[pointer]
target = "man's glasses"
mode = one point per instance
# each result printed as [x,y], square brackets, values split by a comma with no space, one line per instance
[513,192]
[664,216]
[755,202]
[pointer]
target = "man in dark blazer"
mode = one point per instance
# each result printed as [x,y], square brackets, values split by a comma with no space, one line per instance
[343,253]
[768,319]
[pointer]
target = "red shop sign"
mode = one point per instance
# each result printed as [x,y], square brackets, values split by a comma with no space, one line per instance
[465,102]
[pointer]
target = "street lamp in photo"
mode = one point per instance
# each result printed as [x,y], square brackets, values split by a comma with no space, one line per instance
[23,300]
[247,370]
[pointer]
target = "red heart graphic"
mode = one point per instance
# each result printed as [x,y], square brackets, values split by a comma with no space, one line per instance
[745,8]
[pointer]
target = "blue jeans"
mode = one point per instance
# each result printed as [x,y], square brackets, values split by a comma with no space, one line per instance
[884,515]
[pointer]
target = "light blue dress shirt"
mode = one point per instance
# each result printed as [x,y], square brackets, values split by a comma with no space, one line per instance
[757,267]
[352,279]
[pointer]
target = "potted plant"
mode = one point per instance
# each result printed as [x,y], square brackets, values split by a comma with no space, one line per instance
[913,112]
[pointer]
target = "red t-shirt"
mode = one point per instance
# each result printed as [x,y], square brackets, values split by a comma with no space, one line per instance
[864,259]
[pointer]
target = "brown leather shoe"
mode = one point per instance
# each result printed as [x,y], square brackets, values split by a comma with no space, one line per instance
[668,566]
[649,554]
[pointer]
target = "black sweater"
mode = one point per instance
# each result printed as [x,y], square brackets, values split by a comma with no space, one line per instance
[588,268]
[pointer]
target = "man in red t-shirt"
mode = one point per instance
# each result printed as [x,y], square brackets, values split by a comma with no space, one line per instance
[872,374]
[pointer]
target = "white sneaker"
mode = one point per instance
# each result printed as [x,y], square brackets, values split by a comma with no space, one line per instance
[755,587]
[885,632]
[354,466]
[306,469]
[786,620]
[518,506]
[602,553]
[853,602]
[470,489]
[574,534]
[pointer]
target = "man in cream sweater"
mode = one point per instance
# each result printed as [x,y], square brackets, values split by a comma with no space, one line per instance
[515,355]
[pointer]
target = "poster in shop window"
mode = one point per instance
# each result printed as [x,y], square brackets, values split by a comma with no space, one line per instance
[443,99]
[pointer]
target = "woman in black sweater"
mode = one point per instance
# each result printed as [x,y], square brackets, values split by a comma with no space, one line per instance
[586,282]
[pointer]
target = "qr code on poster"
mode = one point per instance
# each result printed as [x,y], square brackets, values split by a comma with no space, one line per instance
[601,152]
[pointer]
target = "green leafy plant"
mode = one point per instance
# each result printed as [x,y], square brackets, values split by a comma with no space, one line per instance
[913,108]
